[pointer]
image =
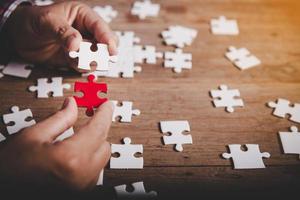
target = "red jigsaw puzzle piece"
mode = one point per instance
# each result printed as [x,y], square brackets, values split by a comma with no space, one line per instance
[90,89]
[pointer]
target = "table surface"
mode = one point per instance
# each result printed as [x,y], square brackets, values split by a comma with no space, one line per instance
[268,28]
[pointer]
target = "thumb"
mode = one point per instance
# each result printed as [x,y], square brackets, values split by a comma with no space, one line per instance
[61,30]
[56,124]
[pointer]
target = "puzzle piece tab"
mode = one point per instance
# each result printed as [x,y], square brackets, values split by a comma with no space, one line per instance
[147,53]
[283,108]
[44,88]
[222,26]
[291,141]
[242,58]
[86,56]
[179,36]
[138,192]
[90,90]
[178,60]
[226,98]
[107,13]
[17,69]
[126,160]
[176,129]
[145,9]
[250,159]
[19,118]
[125,111]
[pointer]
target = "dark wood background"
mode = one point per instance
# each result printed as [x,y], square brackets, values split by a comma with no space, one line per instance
[270,29]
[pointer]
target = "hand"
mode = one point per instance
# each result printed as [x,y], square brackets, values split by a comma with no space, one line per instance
[76,162]
[46,34]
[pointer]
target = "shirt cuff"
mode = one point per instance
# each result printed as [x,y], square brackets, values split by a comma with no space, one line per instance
[10,10]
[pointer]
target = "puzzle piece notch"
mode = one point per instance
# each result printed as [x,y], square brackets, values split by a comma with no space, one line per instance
[250,159]
[17,69]
[242,58]
[291,141]
[86,56]
[19,118]
[222,26]
[145,9]
[138,192]
[90,90]
[126,160]
[2,137]
[179,36]
[147,53]
[176,129]
[43,87]
[124,111]
[283,108]
[178,60]
[107,13]
[226,98]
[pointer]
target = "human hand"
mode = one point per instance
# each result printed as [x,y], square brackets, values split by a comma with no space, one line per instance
[76,162]
[45,35]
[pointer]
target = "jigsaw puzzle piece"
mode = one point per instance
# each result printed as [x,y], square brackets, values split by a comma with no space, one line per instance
[291,141]
[283,108]
[100,178]
[90,91]
[138,192]
[222,26]
[86,56]
[145,9]
[126,160]
[2,137]
[125,111]
[178,60]
[176,129]
[147,53]
[107,13]
[19,118]
[17,69]
[250,159]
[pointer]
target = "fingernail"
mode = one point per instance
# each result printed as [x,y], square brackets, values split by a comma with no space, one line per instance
[65,104]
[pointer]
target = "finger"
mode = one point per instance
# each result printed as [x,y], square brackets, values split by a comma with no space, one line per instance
[99,28]
[52,127]
[95,131]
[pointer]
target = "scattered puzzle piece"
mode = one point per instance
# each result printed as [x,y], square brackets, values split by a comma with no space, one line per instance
[226,98]
[86,56]
[100,179]
[283,108]
[250,159]
[44,88]
[43,2]
[90,100]
[126,160]
[147,53]
[178,60]
[22,70]
[138,192]
[68,133]
[124,111]
[222,26]
[145,9]
[107,13]
[179,36]
[19,118]
[2,138]
[291,141]
[242,58]
[176,129]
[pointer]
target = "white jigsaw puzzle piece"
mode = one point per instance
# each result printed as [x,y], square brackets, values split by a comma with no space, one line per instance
[176,129]
[1,67]
[107,13]
[65,135]
[43,2]
[2,138]
[250,159]
[43,88]
[100,178]
[125,111]
[222,26]
[17,69]
[291,141]
[283,108]
[138,192]
[179,36]
[178,60]
[242,58]
[19,118]
[145,9]
[226,98]
[126,160]
[147,53]
[86,56]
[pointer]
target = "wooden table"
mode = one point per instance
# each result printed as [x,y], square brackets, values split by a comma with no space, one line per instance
[270,29]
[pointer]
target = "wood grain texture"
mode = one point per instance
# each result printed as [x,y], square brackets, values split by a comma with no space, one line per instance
[268,28]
